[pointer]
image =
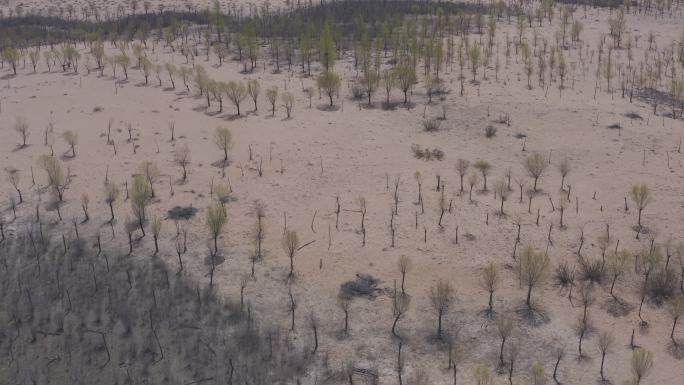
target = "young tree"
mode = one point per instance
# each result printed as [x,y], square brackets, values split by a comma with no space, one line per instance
[532,266]
[151,173]
[441,298]
[290,244]
[326,51]
[483,376]
[330,83]
[216,219]
[111,194]
[675,306]
[223,139]
[156,230]
[474,54]
[140,194]
[370,82]
[11,55]
[642,362]
[389,79]
[489,281]
[58,181]
[14,177]
[344,302]
[400,305]
[182,158]
[616,264]
[564,169]
[538,375]
[501,189]
[288,103]
[404,265]
[535,165]
[253,89]
[72,139]
[605,344]
[462,168]
[641,195]
[406,77]
[504,327]
[237,92]
[484,167]
[22,127]
[272,96]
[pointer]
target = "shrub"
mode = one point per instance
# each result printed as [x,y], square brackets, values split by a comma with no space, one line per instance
[431,124]
[490,132]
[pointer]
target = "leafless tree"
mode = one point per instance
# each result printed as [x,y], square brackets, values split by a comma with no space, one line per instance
[504,327]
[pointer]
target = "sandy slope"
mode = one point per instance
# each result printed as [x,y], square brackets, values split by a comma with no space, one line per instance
[359,147]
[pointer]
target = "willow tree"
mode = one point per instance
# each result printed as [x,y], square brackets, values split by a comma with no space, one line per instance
[641,195]
[441,298]
[330,83]
[140,195]
[223,140]
[71,138]
[217,217]
[532,266]
[290,244]
[236,92]
[111,194]
[326,49]
[535,165]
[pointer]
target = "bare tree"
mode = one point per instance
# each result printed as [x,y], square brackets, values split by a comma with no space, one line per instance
[489,280]
[84,206]
[441,298]
[156,230]
[472,181]
[290,244]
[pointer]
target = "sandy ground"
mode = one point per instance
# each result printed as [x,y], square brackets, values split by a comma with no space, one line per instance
[359,148]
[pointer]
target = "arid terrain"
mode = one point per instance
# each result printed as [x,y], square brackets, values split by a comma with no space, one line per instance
[565,120]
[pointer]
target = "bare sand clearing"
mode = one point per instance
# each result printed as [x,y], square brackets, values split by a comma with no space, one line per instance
[357,151]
